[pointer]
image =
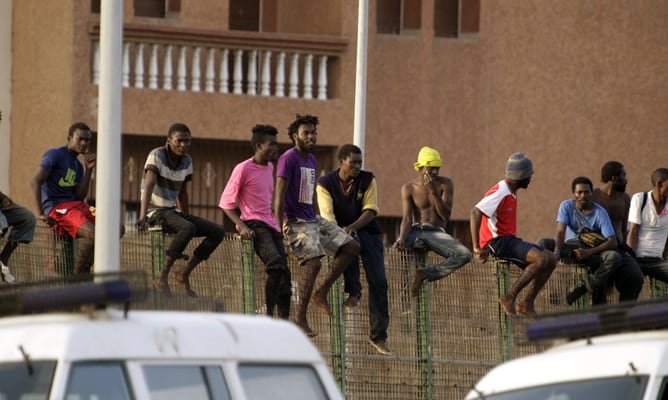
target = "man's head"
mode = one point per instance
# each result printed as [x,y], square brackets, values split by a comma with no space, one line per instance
[660,181]
[264,143]
[582,189]
[519,168]
[303,132]
[613,171]
[178,139]
[350,160]
[78,138]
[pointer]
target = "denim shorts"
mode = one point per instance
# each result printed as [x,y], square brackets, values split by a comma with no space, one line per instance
[512,249]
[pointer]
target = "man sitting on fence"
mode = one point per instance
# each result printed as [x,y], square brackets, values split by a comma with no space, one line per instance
[426,204]
[648,227]
[251,187]
[60,188]
[22,224]
[494,229]
[167,171]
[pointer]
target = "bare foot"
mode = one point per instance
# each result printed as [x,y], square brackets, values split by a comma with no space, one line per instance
[162,287]
[322,305]
[184,282]
[303,325]
[525,309]
[420,276]
[508,306]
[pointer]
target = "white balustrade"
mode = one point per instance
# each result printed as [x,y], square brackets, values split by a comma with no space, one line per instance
[223,83]
[153,68]
[139,66]
[210,74]
[257,77]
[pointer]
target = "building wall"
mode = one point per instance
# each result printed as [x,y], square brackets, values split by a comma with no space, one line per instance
[572,84]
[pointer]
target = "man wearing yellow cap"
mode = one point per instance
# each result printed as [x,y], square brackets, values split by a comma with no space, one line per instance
[426,204]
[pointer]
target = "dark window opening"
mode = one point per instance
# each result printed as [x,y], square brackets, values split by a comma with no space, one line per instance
[456,18]
[398,16]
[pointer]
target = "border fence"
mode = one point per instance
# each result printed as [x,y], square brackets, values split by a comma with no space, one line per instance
[442,341]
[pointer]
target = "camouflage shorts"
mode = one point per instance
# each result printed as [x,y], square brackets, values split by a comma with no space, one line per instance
[313,239]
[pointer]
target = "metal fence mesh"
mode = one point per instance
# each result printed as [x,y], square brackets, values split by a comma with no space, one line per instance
[442,341]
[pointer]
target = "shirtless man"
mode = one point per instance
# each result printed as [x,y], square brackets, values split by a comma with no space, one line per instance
[426,204]
[494,230]
[628,278]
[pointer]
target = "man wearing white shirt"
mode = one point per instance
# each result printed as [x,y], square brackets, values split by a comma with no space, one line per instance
[648,227]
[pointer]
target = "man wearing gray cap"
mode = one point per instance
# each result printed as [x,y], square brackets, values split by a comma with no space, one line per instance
[494,230]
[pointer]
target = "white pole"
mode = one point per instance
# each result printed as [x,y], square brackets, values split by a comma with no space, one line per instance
[108,179]
[360,75]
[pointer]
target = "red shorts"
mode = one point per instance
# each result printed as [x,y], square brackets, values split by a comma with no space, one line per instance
[70,215]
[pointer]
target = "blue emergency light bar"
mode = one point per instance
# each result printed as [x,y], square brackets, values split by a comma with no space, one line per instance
[623,318]
[71,295]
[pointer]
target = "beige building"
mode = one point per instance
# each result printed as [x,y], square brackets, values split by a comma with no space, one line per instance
[571,83]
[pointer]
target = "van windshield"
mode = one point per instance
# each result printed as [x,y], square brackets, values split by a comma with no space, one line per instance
[281,382]
[620,388]
[26,380]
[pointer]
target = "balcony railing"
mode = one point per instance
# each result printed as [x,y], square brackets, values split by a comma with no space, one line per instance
[241,63]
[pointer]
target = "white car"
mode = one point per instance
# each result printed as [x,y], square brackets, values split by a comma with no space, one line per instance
[610,366]
[113,354]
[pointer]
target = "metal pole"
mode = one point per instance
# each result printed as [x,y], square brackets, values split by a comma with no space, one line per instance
[108,193]
[360,75]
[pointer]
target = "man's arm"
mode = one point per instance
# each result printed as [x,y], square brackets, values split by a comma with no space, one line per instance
[244,231]
[81,190]
[182,201]
[36,185]
[559,238]
[406,215]
[474,222]
[369,209]
[443,203]
[279,199]
[150,179]
[325,203]
[632,236]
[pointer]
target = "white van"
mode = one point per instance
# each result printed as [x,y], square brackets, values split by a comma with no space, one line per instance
[110,354]
[610,366]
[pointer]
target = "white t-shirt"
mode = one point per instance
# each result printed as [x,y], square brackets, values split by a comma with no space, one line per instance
[653,226]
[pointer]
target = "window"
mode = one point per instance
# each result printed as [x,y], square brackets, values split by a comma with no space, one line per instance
[98,380]
[620,388]
[398,16]
[253,15]
[26,380]
[281,382]
[456,18]
[156,8]
[177,382]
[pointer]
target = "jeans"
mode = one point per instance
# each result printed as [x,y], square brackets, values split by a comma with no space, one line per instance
[604,268]
[22,222]
[185,227]
[371,253]
[654,267]
[269,247]
[437,240]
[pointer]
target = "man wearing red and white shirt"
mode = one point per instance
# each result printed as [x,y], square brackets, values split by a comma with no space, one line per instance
[494,230]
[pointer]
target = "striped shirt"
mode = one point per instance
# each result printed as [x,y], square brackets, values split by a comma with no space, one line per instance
[170,177]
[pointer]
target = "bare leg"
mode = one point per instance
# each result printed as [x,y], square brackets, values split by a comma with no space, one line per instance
[339,264]
[86,248]
[311,269]
[545,263]
[183,277]
[161,283]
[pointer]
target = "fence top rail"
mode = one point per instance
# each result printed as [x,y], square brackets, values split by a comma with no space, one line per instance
[321,44]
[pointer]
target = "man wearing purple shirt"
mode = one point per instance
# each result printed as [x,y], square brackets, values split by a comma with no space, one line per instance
[250,188]
[310,236]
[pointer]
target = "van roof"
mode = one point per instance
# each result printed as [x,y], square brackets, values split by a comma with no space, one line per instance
[623,354]
[153,335]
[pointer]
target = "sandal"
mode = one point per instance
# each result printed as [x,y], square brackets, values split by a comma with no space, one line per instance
[184,282]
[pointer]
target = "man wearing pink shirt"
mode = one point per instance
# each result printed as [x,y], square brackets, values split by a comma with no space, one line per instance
[250,188]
